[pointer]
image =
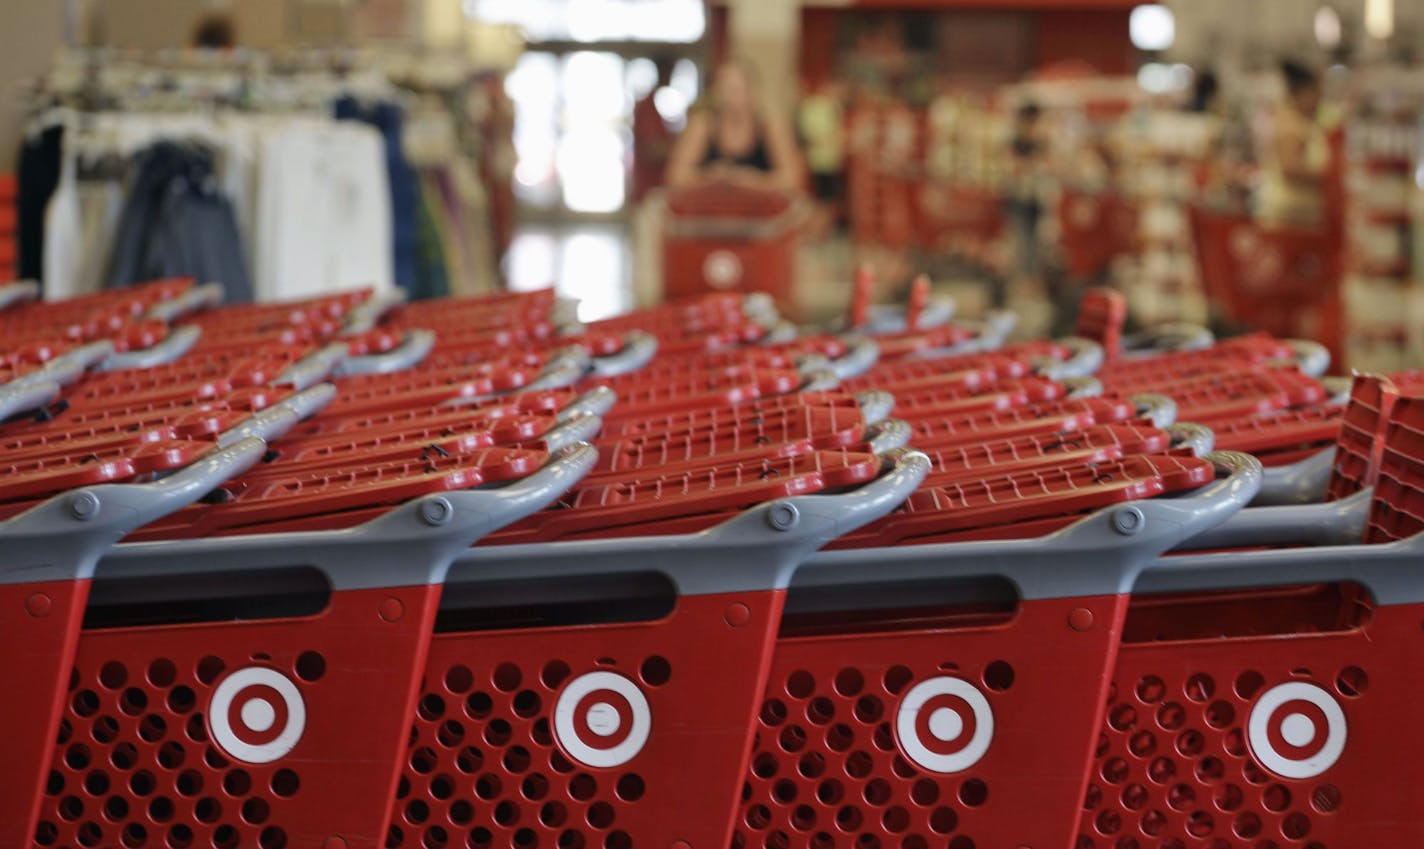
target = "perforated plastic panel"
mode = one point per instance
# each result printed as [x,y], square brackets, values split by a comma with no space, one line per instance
[1398,508]
[1360,446]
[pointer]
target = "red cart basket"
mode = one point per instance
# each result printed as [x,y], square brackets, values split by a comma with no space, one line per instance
[257,691]
[721,238]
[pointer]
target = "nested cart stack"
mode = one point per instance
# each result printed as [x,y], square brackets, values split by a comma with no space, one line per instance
[238,582]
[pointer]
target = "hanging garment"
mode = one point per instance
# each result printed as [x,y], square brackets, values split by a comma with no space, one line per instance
[176,222]
[323,220]
[432,279]
[404,191]
[37,175]
[63,244]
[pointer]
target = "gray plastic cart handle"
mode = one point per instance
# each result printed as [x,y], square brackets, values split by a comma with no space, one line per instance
[412,545]
[819,380]
[71,365]
[202,297]
[780,332]
[638,350]
[19,292]
[561,371]
[862,353]
[25,395]
[1085,359]
[875,405]
[761,308]
[889,435]
[61,539]
[1200,438]
[1312,358]
[313,368]
[1390,571]
[580,428]
[366,315]
[1172,337]
[1333,523]
[1082,387]
[1098,555]
[273,423]
[414,347]
[1160,409]
[180,340]
[893,318]
[755,550]
[1302,482]
[595,402]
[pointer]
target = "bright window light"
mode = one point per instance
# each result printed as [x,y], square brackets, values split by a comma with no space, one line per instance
[596,20]
[1327,27]
[590,163]
[1152,27]
[1379,18]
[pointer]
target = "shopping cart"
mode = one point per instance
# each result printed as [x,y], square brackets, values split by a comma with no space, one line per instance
[601,691]
[228,693]
[49,557]
[1097,228]
[721,238]
[948,694]
[1258,696]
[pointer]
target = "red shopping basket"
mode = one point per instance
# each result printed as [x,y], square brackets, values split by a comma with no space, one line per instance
[949,695]
[1255,693]
[225,694]
[721,238]
[49,557]
[601,692]
[1096,229]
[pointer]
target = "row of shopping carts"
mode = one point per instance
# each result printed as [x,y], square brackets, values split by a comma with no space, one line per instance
[469,573]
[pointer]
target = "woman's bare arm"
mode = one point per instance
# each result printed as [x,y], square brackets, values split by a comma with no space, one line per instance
[684,165]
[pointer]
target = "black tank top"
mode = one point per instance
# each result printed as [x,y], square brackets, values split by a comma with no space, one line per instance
[758,158]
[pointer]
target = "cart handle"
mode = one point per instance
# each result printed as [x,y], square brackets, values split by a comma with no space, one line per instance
[862,353]
[206,296]
[1082,387]
[639,348]
[179,341]
[1200,438]
[1085,358]
[415,346]
[1100,554]
[595,402]
[755,550]
[412,545]
[69,366]
[1332,523]
[875,405]
[61,538]
[1172,337]
[890,318]
[889,435]
[364,317]
[313,368]
[566,367]
[1390,571]
[1302,482]
[273,423]
[570,431]
[19,292]
[1312,358]
[1160,409]
[24,395]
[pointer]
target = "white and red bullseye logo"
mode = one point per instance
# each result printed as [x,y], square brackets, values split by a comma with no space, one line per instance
[602,719]
[722,269]
[1297,730]
[945,724]
[257,715]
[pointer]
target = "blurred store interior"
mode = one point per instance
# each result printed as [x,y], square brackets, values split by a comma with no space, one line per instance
[1016,151]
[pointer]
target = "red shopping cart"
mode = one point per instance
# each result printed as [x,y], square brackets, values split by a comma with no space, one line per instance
[1096,228]
[225,694]
[1255,692]
[721,238]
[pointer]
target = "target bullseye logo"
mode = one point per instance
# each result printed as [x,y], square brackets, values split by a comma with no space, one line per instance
[722,269]
[1297,730]
[602,719]
[945,724]
[257,715]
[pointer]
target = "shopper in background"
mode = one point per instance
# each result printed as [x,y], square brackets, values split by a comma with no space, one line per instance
[1027,150]
[734,142]
[652,138]
[1294,162]
[214,32]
